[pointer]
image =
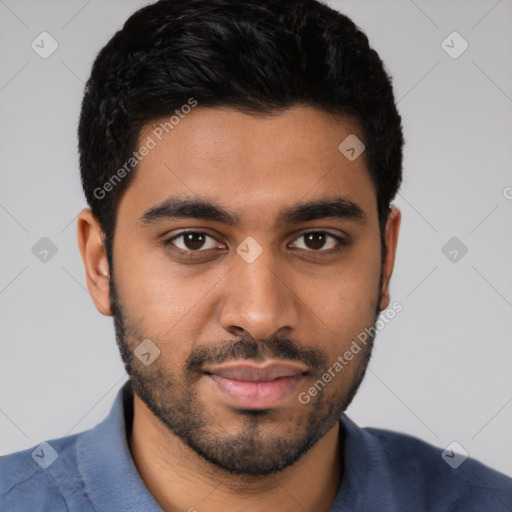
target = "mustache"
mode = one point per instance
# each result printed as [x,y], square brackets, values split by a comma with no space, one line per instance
[249,349]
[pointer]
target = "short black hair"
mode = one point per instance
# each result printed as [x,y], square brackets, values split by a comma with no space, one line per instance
[258,57]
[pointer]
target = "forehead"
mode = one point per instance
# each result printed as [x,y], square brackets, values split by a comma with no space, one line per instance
[255,164]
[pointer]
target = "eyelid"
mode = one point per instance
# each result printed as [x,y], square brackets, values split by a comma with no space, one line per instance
[168,241]
[341,240]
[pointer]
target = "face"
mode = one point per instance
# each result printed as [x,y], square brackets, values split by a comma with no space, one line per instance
[247,250]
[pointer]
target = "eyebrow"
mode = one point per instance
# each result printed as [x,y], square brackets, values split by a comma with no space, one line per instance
[175,207]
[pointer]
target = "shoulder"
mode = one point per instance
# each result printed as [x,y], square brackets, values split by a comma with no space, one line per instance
[442,476]
[41,477]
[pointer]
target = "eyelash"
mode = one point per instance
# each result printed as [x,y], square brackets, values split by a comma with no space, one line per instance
[168,243]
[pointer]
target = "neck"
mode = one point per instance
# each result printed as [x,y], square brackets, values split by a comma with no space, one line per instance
[180,480]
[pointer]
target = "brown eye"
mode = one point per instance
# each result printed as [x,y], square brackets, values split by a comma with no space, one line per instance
[315,240]
[193,241]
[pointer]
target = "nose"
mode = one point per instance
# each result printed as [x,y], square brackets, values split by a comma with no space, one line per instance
[259,298]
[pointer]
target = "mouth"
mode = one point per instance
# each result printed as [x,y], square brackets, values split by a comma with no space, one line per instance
[249,385]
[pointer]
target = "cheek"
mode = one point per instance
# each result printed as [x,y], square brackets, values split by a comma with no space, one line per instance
[348,301]
[346,313]
[155,301]
[146,281]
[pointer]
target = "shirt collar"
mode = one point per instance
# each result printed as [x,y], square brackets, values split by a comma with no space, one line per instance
[366,483]
[110,476]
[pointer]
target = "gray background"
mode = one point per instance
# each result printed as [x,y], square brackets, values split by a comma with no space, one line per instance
[441,369]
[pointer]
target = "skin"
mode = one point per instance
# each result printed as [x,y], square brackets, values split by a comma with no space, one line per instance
[254,166]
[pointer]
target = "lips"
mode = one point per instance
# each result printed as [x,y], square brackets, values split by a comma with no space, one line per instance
[251,386]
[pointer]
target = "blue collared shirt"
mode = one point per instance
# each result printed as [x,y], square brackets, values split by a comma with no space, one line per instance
[383,472]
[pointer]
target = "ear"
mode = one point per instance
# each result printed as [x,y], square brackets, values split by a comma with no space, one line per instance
[391,240]
[94,257]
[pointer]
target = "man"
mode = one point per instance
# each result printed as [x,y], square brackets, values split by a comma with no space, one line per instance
[240,160]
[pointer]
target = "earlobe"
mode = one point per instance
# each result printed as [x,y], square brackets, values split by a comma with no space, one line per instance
[391,241]
[94,258]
